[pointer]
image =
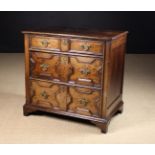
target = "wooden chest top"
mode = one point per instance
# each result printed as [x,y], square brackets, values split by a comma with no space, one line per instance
[84,33]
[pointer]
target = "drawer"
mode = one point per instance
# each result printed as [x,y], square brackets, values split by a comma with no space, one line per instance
[64,68]
[78,100]
[84,101]
[86,71]
[67,45]
[41,42]
[48,95]
[87,46]
[43,65]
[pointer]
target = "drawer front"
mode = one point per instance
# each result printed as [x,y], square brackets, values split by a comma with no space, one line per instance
[50,66]
[43,65]
[89,47]
[64,68]
[78,100]
[67,45]
[44,42]
[48,95]
[84,101]
[86,71]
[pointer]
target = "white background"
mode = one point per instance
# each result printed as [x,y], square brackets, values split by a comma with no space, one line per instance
[78,5]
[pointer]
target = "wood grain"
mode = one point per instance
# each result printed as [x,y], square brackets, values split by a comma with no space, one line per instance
[44,42]
[87,46]
[72,69]
[75,73]
[84,101]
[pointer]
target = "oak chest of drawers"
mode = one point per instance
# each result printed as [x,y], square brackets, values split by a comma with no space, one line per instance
[76,73]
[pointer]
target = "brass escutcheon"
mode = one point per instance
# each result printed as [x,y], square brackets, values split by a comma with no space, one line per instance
[44,67]
[85,71]
[44,43]
[64,59]
[44,95]
[83,101]
[86,47]
[65,42]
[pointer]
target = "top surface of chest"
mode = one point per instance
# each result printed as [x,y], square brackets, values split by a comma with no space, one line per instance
[79,33]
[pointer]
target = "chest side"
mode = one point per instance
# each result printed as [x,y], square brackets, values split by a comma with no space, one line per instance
[114,75]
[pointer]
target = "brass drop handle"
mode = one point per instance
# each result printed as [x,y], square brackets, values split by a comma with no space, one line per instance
[44,43]
[83,101]
[44,67]
[44,95]
[85,71]
[86,47]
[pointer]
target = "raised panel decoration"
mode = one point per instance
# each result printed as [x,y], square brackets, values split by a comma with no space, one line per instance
[84,101]
[48,95]
[86,70]
[43,65]
[64,68]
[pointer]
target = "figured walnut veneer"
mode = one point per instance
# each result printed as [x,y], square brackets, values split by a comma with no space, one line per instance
[77,73]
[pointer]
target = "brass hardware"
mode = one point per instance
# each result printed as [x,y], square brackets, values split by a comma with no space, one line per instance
[83,101]
[44,67]
[45,43]
[86,47]
[65,42]
[85,71]
[44,95]
[64,59]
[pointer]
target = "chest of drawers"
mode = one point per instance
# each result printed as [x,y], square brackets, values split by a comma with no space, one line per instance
[76,73]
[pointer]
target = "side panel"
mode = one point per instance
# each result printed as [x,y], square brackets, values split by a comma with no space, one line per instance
[115,74]
[27,74]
